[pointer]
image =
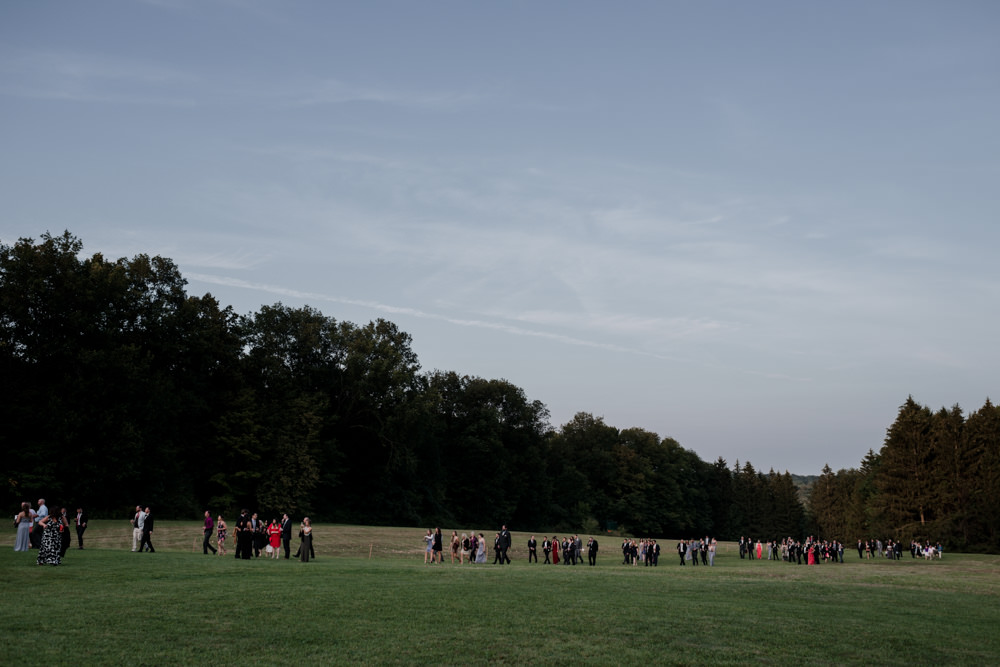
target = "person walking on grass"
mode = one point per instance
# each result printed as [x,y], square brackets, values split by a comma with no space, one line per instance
[40,513]
[24,522]
[481,549]
[137,520]
[208,530]
[64,532]
[81,526]
[505,542]
[220,525]
[429,547]
[50,541]
[436,555]
[244,536]
[147,532]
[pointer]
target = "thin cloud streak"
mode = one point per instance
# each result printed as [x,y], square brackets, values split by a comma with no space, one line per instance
[413,312]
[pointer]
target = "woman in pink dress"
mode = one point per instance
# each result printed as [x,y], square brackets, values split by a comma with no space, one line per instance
[760,550]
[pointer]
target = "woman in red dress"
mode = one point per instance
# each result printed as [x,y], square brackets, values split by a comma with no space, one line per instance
[555,550]
[274,537]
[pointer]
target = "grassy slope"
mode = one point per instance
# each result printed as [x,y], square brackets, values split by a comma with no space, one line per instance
[106,605]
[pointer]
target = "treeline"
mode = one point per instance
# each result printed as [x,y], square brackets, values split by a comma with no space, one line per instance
[118,388]
[936,477]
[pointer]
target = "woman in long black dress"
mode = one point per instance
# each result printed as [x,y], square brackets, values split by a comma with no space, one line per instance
[305,533]
[51,544]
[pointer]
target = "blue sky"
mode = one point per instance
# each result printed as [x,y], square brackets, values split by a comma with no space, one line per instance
[753,227]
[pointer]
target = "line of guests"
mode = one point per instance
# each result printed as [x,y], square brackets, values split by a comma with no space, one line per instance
[471,548]
[893,549]
[810,551]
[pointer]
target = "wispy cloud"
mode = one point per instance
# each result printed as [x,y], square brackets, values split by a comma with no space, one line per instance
[330,91]
[83,77]
[88,77]
[413,312]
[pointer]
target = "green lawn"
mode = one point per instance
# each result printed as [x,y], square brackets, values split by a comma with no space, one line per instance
[107,605]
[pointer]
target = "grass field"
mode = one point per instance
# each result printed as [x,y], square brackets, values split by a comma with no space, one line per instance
[369,598]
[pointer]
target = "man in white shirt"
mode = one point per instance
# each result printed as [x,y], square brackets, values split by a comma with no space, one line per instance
[137,521]
[36,533]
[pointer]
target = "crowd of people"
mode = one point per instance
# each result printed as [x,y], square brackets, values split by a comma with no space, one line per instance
[472,548]
[812,551]
[253,537]
[48,533]
[689,551]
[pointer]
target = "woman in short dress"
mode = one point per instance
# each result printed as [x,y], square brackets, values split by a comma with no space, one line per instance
[23,523]
[274,538]
[429,546]
[51,545]
[466,545]
[455,543]
[221,523]
[436,555]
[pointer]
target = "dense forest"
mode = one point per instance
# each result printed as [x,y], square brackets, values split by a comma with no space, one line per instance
[119,388]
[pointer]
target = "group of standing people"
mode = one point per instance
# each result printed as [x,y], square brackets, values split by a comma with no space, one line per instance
[142,523]
[689,551]
[254,536]
[571,547]
[645,551]
[810,551]
[48,533]
[469,548]
[893,549]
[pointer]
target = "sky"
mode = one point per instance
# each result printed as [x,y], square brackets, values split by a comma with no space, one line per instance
[756,228]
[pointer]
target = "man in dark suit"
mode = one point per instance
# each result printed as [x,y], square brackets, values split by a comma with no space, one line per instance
[286,533]
[505,543]
[81,525]
[147,533]
[532,549]
[592,551]
[244,536]
[256,528]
